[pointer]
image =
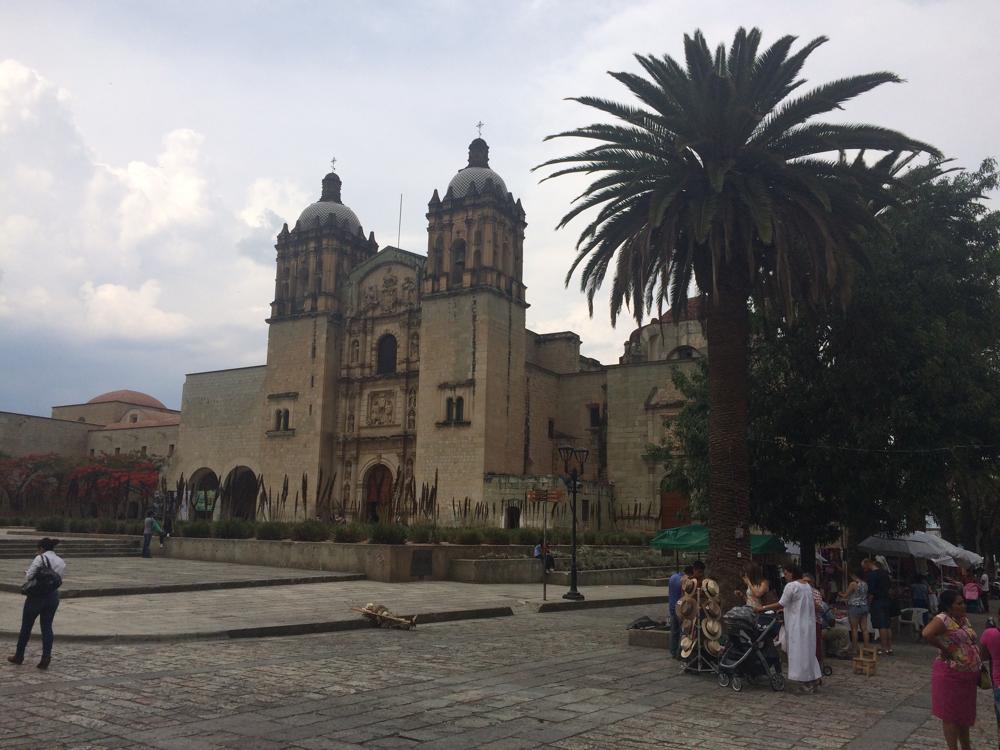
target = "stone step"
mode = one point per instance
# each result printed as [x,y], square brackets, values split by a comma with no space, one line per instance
[75,555]
[652,581]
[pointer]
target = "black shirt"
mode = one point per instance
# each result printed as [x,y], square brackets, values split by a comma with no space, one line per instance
[878,585]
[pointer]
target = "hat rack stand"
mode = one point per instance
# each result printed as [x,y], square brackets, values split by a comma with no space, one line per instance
[699,661]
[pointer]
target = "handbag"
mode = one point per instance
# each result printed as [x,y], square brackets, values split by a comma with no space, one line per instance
[985,679]
[44,581]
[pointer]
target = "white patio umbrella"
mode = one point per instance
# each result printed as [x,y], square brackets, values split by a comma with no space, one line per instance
[915,544]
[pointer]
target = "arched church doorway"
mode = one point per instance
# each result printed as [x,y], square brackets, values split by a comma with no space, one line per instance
[204,486]
[241,500]
[378,492]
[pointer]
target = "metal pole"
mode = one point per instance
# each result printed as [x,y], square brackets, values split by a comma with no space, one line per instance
[573,593]
[545,525]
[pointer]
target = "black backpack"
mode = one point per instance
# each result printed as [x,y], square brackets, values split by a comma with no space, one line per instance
[44,581]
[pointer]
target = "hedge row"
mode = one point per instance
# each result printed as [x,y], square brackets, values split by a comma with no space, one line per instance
[316,531]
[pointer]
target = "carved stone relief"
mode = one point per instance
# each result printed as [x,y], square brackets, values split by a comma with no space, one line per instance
[381,408]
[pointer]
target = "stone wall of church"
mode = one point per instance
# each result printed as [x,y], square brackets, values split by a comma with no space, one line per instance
[23,435]
[642,401]
[577,394]
[157,440]
[221,423]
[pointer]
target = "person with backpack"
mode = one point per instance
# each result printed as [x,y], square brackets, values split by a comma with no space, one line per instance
[41,589]
[150,526]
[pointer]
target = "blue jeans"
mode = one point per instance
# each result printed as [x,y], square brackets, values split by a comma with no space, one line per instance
[35,606]
[146,539]
[675,635]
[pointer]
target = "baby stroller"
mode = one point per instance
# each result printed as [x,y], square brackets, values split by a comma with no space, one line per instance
[750,655]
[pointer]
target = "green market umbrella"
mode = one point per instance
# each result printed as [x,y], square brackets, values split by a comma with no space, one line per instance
[694,538]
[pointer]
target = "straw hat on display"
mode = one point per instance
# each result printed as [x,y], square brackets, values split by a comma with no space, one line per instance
[710,587]
[689,585]
[687,626]
[686,652]
[713,647]
[712,628]
[713,608]
[687,608]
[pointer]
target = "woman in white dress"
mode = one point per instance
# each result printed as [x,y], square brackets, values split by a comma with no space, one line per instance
[799,606]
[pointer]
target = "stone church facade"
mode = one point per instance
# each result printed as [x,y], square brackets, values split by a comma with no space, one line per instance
[385,361]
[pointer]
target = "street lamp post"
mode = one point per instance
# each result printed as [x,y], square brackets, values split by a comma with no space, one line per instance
[566,452]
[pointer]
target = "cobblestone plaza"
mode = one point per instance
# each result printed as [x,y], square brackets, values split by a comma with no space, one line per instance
[560,680]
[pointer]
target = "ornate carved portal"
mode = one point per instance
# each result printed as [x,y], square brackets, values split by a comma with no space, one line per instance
[382,408]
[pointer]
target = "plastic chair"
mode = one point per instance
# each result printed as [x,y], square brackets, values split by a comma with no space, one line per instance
[914,617]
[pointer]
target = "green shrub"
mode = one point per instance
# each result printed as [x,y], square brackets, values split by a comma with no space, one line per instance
[588,537]
[274,530]
[107,526]
[385,533]
[12,521]
[80,526]
[135,527]
[52,524]
[349,533]
[528,536]
[310,531]
[233,528]
[468,536]
[496,535]
[197,529]
[424,534]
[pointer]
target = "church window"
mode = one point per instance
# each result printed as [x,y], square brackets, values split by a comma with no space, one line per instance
[312,352]
[459,409]
[457,262]
[411,420]
[386,355]
[449,410]
[170,449]
[118,451]
[312,381]
[142,451]
[355,350]
[552,428]
[284,419]
[310,409]
[91,452]
[133,418]
[595,415]
[277,419]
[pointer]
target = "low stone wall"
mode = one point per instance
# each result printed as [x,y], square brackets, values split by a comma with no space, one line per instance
[610,577]
[379,562]
[529,570]
[521,570]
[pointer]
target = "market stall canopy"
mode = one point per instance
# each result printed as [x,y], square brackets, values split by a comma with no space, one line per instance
[694,538]
[921,544]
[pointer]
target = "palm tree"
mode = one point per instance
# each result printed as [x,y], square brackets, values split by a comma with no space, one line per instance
[720,176]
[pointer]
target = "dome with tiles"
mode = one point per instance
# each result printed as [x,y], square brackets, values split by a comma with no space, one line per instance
[478,173]
[329,205]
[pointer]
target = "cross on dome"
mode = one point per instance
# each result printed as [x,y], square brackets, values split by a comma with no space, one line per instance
[479,127]
[333,164]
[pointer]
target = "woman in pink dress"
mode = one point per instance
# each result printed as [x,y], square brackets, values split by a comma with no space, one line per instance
[955,677]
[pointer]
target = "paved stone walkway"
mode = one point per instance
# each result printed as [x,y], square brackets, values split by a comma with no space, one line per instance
[109,573]
[536,681]
[202,613]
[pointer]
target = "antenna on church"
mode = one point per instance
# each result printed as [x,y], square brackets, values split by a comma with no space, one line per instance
[479,127]
[399,227]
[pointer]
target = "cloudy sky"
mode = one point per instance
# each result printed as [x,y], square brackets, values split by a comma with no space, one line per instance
[149,152]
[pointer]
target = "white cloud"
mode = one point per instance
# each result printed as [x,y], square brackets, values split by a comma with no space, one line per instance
[115,311]
[267,200]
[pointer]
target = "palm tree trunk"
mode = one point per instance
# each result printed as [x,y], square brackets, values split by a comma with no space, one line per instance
[728,333]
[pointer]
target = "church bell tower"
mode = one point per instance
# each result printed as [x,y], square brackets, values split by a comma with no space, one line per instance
[471,401]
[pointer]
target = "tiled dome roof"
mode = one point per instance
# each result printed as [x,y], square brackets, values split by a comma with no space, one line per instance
[128,397]
[329,205]
[462,182]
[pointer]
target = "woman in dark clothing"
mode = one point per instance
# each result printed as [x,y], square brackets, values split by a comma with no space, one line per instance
[42,605]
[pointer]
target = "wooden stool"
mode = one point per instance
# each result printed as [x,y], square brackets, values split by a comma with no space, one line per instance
[865,663]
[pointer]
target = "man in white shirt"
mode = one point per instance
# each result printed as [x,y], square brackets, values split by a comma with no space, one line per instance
[984,588]
[40,605]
